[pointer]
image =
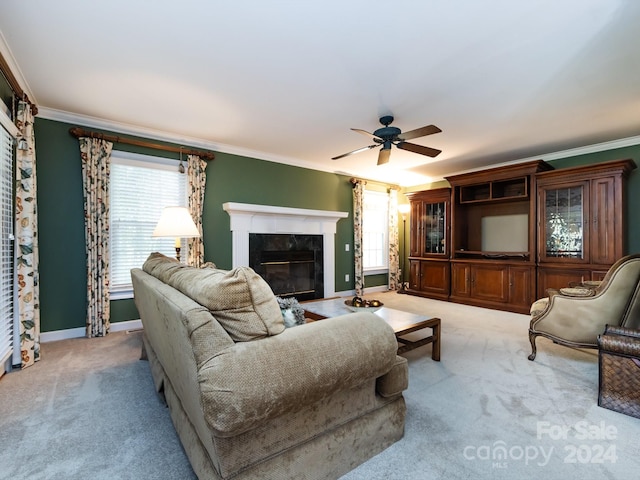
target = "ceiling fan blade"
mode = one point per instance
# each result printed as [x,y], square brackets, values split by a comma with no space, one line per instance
[365,133]
[355,151]
[419,132]
[412,147]
[383,156]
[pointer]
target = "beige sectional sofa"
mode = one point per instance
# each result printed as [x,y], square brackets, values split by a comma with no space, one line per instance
[250,398]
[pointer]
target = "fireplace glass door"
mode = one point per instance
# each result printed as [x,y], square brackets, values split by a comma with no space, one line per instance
[291,264]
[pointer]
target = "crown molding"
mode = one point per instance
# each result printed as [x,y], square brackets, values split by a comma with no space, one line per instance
[15,69]
[548,157]
[152,134]
[128,129]
[595,148]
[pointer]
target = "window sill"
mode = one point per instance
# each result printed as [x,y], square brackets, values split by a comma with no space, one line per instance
[376,271]
[121,294]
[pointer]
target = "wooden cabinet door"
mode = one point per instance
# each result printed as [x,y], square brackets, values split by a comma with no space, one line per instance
[604,218]
[414,274]
[415,229]
[429,223]
[559,278]
[434,228]
[490,282]
[598,274]
[521,286]
[460,279]
[434,277]
[563,235]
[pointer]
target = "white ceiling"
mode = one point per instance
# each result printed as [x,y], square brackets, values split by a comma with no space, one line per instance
[286,80]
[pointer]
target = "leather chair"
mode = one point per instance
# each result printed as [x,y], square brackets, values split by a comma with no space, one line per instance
[575,317]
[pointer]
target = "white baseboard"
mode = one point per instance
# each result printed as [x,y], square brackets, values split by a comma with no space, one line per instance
[351,293]
[128,325]
[81,331]
[381,288]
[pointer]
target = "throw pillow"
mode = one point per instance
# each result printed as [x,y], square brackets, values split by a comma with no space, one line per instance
[292,312]
[239,299]
[577,292]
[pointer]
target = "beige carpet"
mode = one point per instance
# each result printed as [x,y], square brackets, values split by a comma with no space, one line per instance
[88,410]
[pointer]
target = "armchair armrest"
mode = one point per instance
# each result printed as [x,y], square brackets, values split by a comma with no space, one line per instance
[253,381]
[627,332]
[620,340]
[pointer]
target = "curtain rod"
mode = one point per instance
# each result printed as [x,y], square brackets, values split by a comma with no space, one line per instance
[353,180]
[15,86]
[80,132]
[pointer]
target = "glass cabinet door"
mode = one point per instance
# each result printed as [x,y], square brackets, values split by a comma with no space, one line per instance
[563,222]
[434,228]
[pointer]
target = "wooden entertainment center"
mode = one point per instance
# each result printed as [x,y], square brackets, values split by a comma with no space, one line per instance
[499,238]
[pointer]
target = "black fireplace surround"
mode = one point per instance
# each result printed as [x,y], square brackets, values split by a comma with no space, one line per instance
[291,264]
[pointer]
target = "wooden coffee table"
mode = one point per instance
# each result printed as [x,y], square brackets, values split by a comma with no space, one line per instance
[402,323]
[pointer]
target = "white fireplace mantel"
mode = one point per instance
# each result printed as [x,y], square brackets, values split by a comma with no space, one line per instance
[247,218]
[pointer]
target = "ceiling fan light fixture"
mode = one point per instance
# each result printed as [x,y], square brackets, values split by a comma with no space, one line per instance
[388,136]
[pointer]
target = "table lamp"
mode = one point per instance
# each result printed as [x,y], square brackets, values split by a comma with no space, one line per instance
[176,222]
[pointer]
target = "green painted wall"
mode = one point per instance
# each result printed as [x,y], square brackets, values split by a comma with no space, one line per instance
[230,178]
[376,280]
[60,227]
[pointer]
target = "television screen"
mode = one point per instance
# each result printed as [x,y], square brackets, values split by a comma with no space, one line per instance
[505,233]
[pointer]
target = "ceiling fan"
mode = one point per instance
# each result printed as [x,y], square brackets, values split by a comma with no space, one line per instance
[387,136]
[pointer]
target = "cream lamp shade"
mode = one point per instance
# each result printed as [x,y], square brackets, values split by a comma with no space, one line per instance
[176,222]
[404,208]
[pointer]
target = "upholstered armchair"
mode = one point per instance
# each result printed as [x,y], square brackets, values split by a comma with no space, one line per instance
[576,316]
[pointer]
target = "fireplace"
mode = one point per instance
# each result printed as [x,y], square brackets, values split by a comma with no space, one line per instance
[292,264]
[247,219]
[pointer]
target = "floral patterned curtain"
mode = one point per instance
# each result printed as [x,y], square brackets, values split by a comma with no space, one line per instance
[196,168]
[95,155]
[394,272]
[26,233]
[358,207]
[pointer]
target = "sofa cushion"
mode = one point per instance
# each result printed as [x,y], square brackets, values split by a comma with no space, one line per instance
[252,382]
[162,267]
[577,292]
[239,299]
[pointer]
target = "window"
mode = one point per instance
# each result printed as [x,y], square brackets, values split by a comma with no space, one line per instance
[140,187]
[375,232]
[6,248]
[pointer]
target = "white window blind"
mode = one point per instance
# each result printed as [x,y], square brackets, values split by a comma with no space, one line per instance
[140,187]
[375,231]
[6,247]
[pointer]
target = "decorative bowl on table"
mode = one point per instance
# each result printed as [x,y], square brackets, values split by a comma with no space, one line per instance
[357,304]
